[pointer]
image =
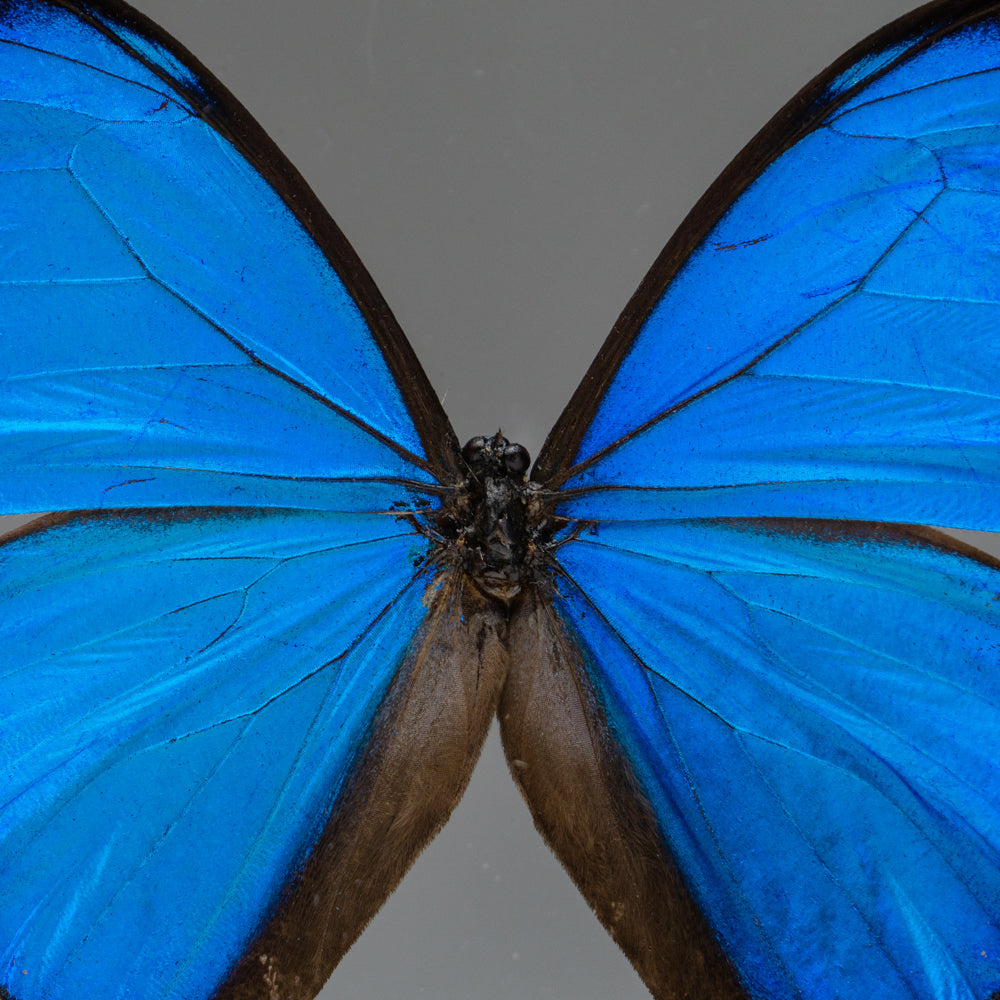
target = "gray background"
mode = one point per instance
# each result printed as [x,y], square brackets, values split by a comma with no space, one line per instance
[507,171]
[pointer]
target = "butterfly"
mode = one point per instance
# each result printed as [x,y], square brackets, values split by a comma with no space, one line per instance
[708,653]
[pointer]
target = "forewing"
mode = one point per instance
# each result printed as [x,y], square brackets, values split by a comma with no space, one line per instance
[180,320]
[819,339]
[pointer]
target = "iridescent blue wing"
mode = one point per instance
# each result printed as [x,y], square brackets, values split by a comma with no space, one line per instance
[810,711]
[846,360]
[184,695]
[138,196]
[790,713]
[215,682]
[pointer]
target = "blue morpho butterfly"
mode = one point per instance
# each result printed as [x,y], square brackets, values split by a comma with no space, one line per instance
[247,670]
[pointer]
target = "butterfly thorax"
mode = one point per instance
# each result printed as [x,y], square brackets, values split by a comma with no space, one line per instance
[487,520]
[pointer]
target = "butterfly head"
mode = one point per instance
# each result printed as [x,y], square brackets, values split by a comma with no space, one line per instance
[496,457]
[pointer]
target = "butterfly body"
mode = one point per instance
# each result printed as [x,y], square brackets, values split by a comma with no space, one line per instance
[492,519]
[750,695]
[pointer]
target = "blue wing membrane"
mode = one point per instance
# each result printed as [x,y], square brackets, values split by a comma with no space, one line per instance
[848,364]
[812,711]
[175,679]
[810,700]
[171,332]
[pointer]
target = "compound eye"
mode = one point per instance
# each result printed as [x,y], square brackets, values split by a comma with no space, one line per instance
[472,452]
[517,459]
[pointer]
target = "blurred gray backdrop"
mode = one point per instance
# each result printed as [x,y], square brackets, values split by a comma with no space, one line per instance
[507,172]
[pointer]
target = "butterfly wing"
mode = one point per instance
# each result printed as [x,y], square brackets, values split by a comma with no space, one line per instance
[222,681]
[811,716]
[196,711]
[800,708]
[139,201]
[848,250]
